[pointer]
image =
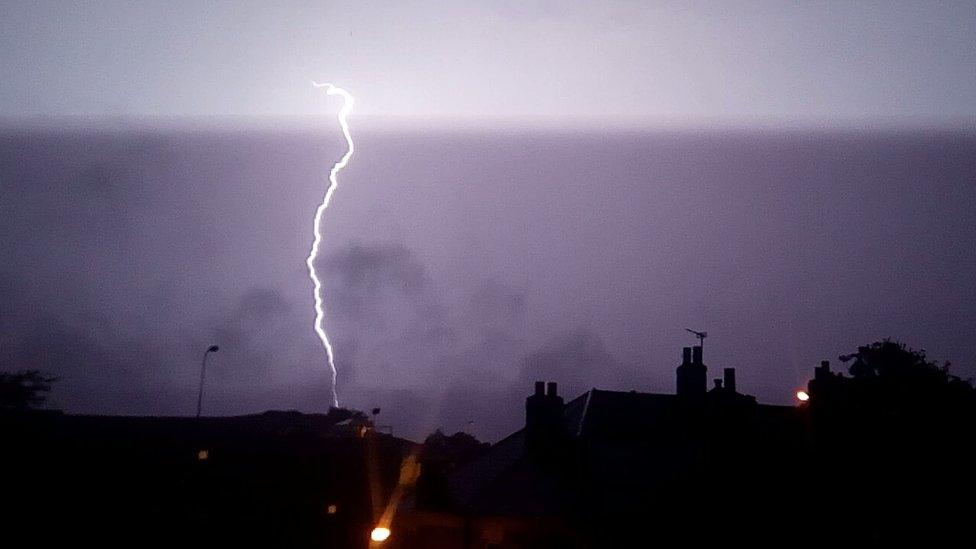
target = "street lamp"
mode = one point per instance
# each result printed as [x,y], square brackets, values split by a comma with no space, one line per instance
[203,371]
[379,534]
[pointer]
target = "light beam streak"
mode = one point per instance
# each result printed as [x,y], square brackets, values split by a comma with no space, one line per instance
[347,102]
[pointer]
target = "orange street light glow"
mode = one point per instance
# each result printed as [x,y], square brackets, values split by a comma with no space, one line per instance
[379,534]
[802,396]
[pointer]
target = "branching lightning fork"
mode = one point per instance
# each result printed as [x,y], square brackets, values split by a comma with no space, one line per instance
[347,102]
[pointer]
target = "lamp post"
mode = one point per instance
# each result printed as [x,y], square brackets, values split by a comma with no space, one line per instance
[203,372]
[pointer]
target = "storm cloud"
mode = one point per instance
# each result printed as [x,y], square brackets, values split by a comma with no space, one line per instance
[460,266]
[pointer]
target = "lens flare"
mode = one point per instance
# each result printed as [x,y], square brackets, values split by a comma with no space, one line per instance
[347,102]
[802,396]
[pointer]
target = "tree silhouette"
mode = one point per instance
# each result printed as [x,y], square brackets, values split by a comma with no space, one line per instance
[902,427]
[891,378]
[441,454]
[23,390]
[891,359]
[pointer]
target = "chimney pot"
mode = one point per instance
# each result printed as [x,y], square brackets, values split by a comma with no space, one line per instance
[823,371]
[686,355]
[551,389]
[718,383]
[729,374]
[539,388]
[696,354]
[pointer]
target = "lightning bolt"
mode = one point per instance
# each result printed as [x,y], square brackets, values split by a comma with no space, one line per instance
[347,102]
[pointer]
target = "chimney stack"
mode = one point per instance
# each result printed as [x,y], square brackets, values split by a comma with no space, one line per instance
[823,371]
[730,379]
[692,374]
[544,419]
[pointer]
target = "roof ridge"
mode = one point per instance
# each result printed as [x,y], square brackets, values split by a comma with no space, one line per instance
[586,409]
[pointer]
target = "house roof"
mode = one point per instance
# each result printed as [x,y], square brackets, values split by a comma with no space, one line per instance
[624,444]
[483,483]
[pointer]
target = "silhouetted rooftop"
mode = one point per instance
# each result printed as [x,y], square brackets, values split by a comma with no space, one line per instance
[620,447]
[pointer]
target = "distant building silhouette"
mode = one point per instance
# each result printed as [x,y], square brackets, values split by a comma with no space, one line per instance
[608,466]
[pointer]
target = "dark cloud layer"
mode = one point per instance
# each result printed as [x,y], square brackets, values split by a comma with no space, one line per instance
[580,359]
[460,266]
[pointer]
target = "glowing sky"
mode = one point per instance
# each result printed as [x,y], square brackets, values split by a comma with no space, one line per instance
[822,62]
[463,261]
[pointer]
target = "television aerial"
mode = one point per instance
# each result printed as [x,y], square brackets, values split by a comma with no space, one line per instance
[700,335]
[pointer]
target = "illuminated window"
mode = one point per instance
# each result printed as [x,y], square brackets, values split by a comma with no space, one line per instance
[203,455]
[332,509]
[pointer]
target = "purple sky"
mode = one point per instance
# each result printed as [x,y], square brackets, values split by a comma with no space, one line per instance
[463,264]
[797,180]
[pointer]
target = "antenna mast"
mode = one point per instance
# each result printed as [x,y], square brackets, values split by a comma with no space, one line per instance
[701,337]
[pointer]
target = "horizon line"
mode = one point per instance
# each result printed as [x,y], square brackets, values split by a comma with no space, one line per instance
[374,122]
